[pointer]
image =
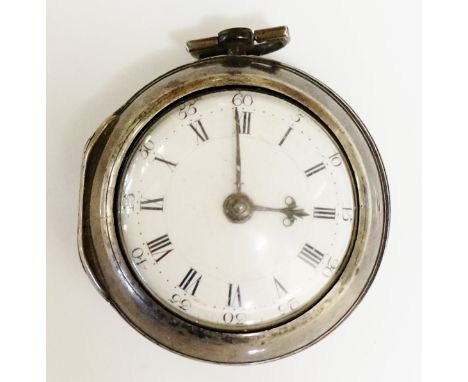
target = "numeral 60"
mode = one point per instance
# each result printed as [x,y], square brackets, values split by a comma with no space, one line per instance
[241,99]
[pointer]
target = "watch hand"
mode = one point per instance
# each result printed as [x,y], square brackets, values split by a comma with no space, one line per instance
[291,212]
[238,154]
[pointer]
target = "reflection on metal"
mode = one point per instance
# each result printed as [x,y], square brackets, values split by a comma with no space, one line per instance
[104,158]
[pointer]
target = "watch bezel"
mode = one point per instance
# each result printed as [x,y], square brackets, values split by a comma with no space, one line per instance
[281,318]
[98,240]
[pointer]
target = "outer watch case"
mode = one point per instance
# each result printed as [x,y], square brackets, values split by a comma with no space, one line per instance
[230,61]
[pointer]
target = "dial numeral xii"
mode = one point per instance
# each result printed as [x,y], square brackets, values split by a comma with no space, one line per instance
[244,121]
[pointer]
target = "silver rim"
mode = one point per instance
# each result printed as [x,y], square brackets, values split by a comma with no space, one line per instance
[105,263]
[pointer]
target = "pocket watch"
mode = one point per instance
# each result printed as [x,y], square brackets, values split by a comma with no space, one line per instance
[235,209]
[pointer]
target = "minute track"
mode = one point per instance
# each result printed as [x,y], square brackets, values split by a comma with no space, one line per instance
[197,252]
[258,253]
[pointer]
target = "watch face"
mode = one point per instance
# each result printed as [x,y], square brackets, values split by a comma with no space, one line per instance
[236,209]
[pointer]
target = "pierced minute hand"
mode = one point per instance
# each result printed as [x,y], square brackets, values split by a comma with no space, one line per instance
[291,211]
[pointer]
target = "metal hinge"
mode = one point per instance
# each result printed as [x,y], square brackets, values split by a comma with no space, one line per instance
[240,41]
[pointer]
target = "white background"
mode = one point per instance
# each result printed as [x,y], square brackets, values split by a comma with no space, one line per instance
[101,52]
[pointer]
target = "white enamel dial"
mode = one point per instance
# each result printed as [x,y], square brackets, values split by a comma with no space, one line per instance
[236,209]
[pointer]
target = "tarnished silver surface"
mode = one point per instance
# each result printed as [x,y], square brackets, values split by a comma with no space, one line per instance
[105,262]
[240,41]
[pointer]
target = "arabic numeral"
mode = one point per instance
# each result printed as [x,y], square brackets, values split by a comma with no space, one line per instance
[128,203]
[297,118]
[146,148]
[242,99]
[330,267]
[186,110]
[138,254]
[288,306]
[180,302]
[347,214]
[335,160]
[231,318]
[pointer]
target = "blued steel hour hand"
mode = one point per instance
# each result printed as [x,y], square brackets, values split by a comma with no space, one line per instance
[291,211]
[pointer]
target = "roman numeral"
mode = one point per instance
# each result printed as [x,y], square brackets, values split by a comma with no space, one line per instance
[152,204]
[311,255]
[198,128]
[245,122]
[285,136]
[315,169]
[190,282]
[160,247]
[234,296]
[169,163]
[324,213]
[280,289]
